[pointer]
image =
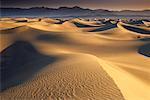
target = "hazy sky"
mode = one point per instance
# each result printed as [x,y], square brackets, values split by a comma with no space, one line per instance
[93,4]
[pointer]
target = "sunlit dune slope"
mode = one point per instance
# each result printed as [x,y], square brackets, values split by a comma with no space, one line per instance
[61,76]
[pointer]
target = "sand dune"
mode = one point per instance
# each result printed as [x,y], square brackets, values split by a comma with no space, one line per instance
[49,60]
[9,24]
[105,27]
[6,19]
[20,54]
[49,20]
[62,80]
[84,23]
[146,23]
[64,27]
[134,29]
[117,32]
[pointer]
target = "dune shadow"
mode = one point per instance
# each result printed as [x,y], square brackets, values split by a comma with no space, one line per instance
[144,39]
[83,25]
[18,21]
[145,50]
[53,38]
[138,30]
[19,62]
[135,22]
[105,27]
[9,30]
[60,22]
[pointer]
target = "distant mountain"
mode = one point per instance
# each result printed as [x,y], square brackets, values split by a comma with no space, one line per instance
[68,12]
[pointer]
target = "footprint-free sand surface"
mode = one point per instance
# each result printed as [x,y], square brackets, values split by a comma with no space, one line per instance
[74,59]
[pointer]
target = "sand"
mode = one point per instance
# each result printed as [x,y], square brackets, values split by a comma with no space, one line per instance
[76,59]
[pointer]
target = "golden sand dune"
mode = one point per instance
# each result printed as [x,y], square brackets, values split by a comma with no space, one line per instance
[64,27]
[104,27]
[55,79]
[6,19]
[49,20]
[21,19]
[84,23]
[146,23]
[134,29]
[118,32]
[48,60]
[9,24]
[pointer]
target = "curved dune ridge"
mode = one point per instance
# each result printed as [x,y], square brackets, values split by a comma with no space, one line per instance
[147,23]
[48,20]
[84,23]
[58,80]
[134,29]
[56,59]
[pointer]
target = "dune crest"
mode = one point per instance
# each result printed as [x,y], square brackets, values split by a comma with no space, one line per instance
[72,80]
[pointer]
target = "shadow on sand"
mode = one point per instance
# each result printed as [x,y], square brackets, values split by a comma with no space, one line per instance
[55,38]
[145,50]
[19,62]
[138,30]
[52,38]
[144,39]
[105,27]
[83,25]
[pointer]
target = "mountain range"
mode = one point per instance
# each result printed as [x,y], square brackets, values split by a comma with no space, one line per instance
[68,12]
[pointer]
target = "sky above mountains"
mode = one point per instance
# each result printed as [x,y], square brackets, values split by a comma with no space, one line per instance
[93,4]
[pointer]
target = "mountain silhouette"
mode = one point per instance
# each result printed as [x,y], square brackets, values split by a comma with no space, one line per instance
[69,11]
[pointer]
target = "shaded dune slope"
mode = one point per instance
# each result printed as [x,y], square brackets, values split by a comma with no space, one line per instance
[134,29]
[145,50]
[78,24]
[57,80]
[84,24]
[105,27]
[19,62]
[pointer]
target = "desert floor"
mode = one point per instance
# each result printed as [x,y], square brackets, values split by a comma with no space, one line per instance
[74,59]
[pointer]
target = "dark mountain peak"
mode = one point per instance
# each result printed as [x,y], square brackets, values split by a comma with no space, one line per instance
[72,10]
[65,8]
[40,8]
[102,10]
[127,11]
[77,7]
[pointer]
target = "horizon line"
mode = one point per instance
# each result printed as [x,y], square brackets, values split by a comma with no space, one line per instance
[77,6]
